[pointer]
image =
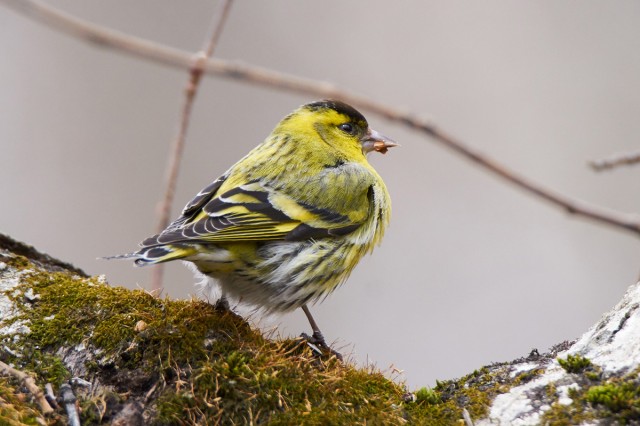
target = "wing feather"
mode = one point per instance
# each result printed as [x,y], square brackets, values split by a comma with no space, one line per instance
[255,212]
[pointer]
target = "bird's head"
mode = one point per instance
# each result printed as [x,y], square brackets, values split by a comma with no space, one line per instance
[337,124]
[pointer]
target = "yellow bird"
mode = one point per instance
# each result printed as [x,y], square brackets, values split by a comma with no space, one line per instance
[286,224]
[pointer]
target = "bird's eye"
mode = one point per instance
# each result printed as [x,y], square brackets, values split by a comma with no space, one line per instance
[347,128]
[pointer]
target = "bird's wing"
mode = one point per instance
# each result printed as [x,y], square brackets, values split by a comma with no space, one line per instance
[257,212]
[193,207]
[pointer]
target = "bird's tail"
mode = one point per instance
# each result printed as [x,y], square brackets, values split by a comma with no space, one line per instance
[156,254]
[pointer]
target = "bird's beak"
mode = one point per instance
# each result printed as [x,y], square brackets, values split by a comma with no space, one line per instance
[374,141]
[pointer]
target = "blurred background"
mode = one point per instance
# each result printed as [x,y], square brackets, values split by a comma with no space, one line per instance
[471,271]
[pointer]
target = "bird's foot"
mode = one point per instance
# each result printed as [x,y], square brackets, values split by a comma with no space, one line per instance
[318,345]
[222,305]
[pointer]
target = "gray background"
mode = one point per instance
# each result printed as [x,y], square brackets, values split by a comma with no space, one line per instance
[471,270]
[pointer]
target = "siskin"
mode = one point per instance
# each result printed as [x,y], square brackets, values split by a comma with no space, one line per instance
[286,224]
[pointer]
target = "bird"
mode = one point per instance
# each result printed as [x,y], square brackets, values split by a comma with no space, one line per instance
[285,226]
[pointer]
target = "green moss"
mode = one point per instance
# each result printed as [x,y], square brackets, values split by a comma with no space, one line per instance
[427,396]
[47,366]
[614,400]
[564,415]
[17,262]
[255,385]
[575,363]
[621,398]
[95,406]
[597,397]
[192,364]
[443,404]
[527,376]
[14,406]
[593,375]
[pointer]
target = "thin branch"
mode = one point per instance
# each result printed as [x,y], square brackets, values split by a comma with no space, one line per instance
[30,384]
[69,401]
[195,74]
[467,417]
[615,161]
[50,396]
[268,78]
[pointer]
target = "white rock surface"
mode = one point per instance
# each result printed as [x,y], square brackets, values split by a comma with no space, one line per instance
[9,279]
[613,344]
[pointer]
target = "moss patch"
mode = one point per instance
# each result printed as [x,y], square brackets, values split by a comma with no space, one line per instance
[15,408]
[612,400]
[184,362]
[575,363]
[443,404]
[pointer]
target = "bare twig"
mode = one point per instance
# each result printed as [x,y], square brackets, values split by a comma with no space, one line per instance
[80,382]
[190,90]
[467,417]
[151,391]
[69,402]
[30,384]
[264,77]
[615,161]
[51,397]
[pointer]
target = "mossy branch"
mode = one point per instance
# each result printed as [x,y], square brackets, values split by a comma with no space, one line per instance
[167,361]
[181,362]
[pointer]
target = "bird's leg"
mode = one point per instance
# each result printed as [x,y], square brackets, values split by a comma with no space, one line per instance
[317,336]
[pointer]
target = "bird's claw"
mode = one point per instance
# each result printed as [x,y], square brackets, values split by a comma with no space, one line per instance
[222,305]
[318,345]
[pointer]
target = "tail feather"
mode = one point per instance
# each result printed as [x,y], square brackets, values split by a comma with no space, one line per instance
[120,256]
[154,255]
